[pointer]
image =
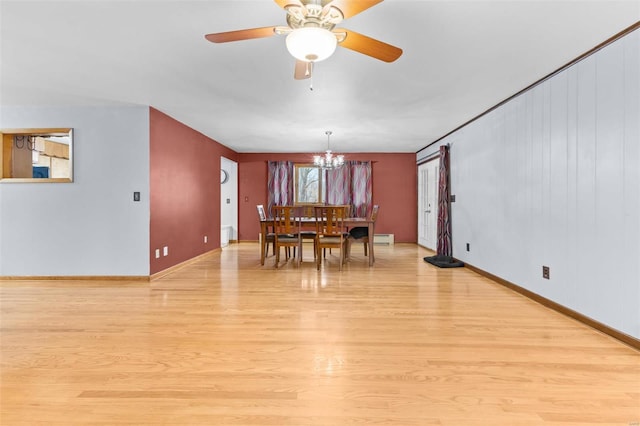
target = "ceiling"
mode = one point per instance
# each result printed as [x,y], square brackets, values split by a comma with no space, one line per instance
[460,59]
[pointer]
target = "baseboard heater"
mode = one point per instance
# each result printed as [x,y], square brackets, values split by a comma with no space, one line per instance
[386,239]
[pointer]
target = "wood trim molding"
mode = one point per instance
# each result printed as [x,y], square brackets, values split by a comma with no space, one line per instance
[39,180]
[108,277]
[10,166]
[174,268]
[76,278]
[605,43]
[624,338]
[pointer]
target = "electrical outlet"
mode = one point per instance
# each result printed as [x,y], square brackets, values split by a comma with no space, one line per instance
[205,239]
[468,248]
[545,272]
[157,253]
[166,251]
[136,196]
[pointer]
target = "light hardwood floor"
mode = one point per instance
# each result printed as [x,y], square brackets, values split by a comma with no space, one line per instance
[225,341]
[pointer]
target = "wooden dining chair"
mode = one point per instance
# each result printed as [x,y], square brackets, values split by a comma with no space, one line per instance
[360,234]
[268,237]
[286,224]
[308,212]
[330,231]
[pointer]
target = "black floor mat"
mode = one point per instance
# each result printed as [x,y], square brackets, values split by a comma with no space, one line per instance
[444,261]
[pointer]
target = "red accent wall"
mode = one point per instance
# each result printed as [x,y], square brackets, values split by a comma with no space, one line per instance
[394,189]
[185,191]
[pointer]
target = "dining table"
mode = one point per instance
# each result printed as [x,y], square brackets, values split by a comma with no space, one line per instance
[309,222]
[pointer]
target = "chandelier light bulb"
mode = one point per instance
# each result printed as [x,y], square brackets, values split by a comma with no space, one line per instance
[328,160]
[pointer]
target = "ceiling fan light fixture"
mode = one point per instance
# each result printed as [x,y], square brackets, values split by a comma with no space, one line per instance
[311,44]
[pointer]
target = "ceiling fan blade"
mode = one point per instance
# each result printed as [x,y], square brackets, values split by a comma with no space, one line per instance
[240,35]
[350,8]
[369,46]
[302,70]
[284,3]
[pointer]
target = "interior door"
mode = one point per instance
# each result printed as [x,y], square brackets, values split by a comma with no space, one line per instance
[428,204]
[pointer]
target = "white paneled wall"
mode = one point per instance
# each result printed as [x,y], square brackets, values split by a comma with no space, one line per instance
[552,178]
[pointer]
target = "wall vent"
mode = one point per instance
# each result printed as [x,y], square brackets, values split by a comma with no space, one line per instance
[387,239]
[225,235]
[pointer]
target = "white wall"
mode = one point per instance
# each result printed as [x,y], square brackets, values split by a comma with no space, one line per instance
[553,178]
[90,226]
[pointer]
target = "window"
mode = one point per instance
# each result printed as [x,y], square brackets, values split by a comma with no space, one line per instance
[307,184]
[36,155]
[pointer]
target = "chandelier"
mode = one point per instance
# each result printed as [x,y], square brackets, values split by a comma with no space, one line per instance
[328,160]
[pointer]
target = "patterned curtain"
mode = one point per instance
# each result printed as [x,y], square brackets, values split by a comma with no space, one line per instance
[351,185]
[339,185]
[279,184]
[444,205]
[361,201]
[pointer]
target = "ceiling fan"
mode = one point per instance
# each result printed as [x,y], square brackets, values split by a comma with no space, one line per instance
[312,35]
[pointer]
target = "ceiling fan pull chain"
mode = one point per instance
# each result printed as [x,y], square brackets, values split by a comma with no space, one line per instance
[311,76]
